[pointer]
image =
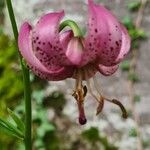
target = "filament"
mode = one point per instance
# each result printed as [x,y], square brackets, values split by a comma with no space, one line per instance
[97,87]
[90,90]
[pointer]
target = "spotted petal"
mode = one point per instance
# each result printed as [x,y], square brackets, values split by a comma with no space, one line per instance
[125,46]
[46,40]
[104,34]
[25,47]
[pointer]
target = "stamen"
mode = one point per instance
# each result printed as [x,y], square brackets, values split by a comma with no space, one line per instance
[85,90]
[91,92]
[96,85]
[114,101]
[79,80]
[100,106]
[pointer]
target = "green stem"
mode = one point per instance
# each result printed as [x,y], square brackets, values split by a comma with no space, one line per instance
[26,82]
[75,28]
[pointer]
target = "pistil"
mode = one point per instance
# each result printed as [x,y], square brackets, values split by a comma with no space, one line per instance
[79,94]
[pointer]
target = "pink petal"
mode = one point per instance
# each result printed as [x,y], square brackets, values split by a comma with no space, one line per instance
[75,51]
[107,71]
[24,42]
[104,34]
[65,38]
[46,41]
[125,46]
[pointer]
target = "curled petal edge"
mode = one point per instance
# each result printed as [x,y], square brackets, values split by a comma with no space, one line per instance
[107,71]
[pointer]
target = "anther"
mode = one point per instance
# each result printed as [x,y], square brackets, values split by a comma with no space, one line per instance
[84,90]
[100,105]
[114,101]
[124,112]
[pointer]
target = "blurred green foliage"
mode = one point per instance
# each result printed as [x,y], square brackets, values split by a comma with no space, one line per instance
[134,5]
[11,87]
[125,65]
[1,6]
[133,132]
[137,98]
[133,77]
[94,137]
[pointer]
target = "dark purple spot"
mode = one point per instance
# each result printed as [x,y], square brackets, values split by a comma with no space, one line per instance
[111,48]
[109,34]
[34,41]
[39,42]
[96,30]
[37,48]
[90,44]
[43,43]
[109,39]
[117,43]
[95,39]
[37,38]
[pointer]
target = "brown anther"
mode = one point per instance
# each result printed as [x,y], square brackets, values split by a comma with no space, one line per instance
[124,112]
[100,106]
[75,95]
[84,90]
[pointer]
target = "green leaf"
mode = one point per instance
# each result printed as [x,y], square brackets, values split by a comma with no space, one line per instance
[127,21]
[134,6]
[125,66]
[133,132]
[133,77]
[91,134]
[137,98]
[10,129]
[18,121]
[137,34]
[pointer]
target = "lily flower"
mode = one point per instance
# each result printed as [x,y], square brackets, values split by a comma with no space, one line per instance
[54,54]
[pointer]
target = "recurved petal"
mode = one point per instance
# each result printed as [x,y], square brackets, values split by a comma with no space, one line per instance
[47,27]
[46,40]
[25,47]
[75,51]
[125,45]
[107,70]
[65,37]
[58,73]
[104,34]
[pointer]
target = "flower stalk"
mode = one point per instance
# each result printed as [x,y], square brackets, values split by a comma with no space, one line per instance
[26,82]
